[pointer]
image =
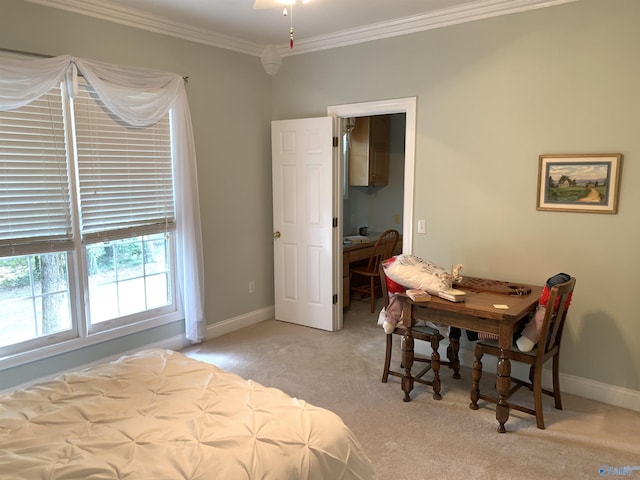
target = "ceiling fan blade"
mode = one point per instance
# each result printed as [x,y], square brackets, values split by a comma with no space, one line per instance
[261,4]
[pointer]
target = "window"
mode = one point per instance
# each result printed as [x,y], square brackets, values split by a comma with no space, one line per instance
[34,298]
[127,277]
[125,180]
[86,212]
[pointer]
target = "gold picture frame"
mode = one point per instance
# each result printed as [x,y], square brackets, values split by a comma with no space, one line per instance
[579,182]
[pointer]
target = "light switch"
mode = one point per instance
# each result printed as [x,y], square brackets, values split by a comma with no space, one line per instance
[422,226]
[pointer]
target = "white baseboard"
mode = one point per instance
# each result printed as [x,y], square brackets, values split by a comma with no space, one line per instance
[583,387]
[601,392]
[246,320]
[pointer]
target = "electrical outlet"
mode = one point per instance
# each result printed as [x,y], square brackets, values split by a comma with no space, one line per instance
[252,287]
[422,226]
[396,219]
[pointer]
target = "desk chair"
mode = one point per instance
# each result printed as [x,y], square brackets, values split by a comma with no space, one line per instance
[382,249]
[426,334]
[552,327]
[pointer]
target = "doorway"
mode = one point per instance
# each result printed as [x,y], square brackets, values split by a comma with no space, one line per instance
[373,180]
[408,106]
[401,105]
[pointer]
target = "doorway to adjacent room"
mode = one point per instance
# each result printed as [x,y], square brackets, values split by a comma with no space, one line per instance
[408,107]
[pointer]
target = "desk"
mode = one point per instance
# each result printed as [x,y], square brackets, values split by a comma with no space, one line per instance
[356,254]
[476,313]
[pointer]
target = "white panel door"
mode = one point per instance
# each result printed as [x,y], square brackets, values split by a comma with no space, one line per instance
[302,163]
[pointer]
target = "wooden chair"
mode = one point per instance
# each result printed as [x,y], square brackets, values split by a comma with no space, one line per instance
[552,326]
[426,334]
[382,249]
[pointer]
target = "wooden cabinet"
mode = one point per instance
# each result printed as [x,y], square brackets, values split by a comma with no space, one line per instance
[369,152]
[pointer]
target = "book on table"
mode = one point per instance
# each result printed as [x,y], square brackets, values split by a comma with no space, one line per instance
[453,295]
[418,295]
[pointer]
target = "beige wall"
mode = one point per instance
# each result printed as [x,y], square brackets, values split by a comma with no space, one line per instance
[229,96]
[492,96]
[230,100]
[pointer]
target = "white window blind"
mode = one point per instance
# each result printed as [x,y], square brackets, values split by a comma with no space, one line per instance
[35,212]
[125,173]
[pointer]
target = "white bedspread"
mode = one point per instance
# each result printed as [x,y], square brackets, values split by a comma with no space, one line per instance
[161,415]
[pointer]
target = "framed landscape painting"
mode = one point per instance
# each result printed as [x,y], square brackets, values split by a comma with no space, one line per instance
[579,183]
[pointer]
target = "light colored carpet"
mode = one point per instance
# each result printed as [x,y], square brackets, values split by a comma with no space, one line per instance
[425,438]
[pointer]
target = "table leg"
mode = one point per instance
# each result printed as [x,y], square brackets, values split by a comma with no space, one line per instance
[407,362]
[406,318]
[435,367]
[476,375]
[453,351]
[503,385]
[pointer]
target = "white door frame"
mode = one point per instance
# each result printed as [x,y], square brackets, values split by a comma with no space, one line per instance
[408,106]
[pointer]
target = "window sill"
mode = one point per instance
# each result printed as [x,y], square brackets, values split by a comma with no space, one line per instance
[78,343]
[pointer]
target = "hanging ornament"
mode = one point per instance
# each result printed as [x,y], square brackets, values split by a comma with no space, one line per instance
[285,13]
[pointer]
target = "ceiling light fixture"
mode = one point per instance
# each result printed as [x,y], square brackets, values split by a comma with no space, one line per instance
[284,12]
[260,4]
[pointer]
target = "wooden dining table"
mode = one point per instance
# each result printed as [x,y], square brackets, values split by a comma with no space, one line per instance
[492,306]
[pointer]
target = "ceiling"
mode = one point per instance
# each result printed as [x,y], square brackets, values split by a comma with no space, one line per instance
[318,24]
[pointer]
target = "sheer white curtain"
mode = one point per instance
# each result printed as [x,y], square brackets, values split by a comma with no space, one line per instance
[139,97]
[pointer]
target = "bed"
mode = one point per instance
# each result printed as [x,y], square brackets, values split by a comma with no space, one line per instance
[159,414]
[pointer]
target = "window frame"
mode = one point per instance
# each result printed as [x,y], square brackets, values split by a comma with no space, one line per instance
[146,316]
[82,333]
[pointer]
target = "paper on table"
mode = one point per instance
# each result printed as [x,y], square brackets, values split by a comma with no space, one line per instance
[501,306]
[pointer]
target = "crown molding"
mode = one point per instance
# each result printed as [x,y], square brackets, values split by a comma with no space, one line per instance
[441,18]
[418,23]
[104,10]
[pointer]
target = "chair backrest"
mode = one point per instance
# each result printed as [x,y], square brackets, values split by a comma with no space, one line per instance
[383,285]
[555,317]
[382,249]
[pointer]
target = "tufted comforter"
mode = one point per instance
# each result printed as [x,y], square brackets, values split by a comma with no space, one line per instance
[160,415]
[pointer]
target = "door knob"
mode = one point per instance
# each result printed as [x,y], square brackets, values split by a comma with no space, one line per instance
[276,234]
